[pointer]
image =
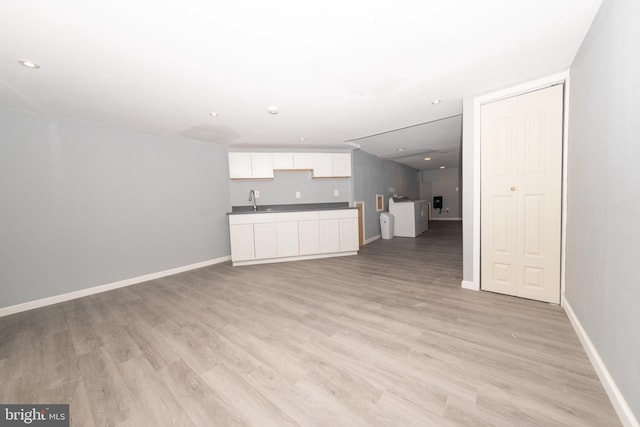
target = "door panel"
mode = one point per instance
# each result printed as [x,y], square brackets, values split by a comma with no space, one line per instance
[533,224]
[329,236]
[521,172]
[309,237]
[266,240]
[288,238]
[242,243]
[533,143]
[502,230]
[349,234]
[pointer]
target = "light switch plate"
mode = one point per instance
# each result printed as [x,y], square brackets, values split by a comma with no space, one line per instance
[297,194]
[336,193]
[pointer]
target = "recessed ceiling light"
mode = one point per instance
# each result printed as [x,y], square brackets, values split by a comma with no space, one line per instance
[213,114]
[301,139]
[427,158]
[436,101]
[272,109]
[441,167]
[400,149]
[371,19]
[29,64]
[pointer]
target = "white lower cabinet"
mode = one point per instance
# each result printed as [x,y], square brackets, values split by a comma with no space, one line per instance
[242,242]
[329,236]
[309,237]
[287,236]
[265,240]
[349,234]
[268,237]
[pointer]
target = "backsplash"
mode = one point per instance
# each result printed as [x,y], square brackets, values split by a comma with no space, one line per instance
[282,189]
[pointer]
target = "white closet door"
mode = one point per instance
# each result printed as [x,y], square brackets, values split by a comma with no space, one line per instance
[521,176]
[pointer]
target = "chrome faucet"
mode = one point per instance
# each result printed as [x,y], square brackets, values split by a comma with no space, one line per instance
[252,197]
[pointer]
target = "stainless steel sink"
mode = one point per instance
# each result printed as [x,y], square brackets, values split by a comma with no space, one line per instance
[249,209]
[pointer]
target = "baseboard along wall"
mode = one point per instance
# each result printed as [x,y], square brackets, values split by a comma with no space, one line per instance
[373,239]
[30,305]
[623,410]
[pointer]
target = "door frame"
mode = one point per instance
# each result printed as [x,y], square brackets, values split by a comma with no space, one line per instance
[561,77]
[361,237]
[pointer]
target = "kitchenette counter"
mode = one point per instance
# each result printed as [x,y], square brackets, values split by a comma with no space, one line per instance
[277,233]
[298,207]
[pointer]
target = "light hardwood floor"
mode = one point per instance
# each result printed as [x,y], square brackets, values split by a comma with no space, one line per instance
[384,338]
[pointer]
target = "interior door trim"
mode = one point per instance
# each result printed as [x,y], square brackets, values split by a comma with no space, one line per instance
[561,77]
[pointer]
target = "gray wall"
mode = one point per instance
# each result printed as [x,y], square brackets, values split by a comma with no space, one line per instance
[603,232]
[372,176]
[282,189]
[445,183]
[84,205]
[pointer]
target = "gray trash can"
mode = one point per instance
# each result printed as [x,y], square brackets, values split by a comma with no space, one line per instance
[386,225]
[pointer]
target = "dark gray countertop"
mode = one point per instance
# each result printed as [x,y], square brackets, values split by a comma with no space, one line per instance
[289,208]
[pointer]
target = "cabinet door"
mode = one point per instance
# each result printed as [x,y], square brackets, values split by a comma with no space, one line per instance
[283,161]
[303,160]
[322,165]
[261,165]
[241,242]
[309,237]
[288,239]
[265,240]
[239,165]
[349,234]
[341,164]
[329,236]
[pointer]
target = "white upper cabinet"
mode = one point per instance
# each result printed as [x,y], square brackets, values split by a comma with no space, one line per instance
[322,165]
[331,165]
[302,161]
[250,165]
[283,161]
[293,161]
[341,164]
[262,165]
[239,165]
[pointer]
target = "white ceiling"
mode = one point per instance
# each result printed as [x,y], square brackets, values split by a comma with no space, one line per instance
[337,70]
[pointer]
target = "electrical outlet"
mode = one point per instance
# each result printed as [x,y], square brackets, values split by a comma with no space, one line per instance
[447,210]
[336,193]
[257,192]
[297,194]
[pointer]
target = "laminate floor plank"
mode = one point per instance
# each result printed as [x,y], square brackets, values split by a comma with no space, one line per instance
[253,406]
[110,401]
[384,338]
[201,403]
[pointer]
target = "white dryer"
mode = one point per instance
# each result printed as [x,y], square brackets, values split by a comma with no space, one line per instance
[411,217]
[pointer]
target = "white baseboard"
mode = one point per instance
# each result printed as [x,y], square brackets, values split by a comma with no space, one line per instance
[617,399]
[445,219]
[30,305]
[373,239]
[292,258]
[467,284]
